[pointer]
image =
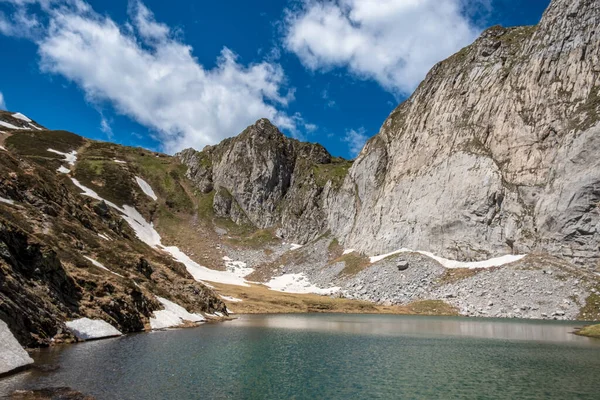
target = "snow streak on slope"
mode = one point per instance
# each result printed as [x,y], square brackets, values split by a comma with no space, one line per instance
[7,201]
[97,264]
[70,158]
[21,117]
[9,126]
[452,264]
[146,188]
[145,231]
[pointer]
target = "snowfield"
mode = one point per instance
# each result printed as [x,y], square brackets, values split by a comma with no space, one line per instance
[452,264]
[173,315]
[87,329]
[12,355]
[63,170]
[146,188]
[297,283]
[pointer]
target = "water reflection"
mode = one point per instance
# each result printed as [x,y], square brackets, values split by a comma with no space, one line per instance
[500,329]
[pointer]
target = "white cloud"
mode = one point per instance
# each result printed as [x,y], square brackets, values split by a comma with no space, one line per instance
[148,74]
[2,103]
[394,42]
[356,140]
[105,126]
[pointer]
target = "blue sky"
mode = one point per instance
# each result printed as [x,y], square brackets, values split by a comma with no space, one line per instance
[170,75]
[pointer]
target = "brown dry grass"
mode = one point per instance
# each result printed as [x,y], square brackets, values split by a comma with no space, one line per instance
[258,299]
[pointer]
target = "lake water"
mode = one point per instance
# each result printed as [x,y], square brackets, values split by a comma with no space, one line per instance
[330,356]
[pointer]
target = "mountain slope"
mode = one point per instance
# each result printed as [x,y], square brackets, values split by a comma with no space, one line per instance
[66,256]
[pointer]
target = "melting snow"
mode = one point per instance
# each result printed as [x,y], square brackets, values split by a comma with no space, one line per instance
[146,188]
[70,158]
[231,299]
[348,251]
[297,283]
[103,236]
[63,170]
[12,355]
[294,246]
[120,162]
[173,315]
[7,201]
[3,148]
[21,117]
[97,264]
[452,264]
[238,268]
[9,126]
[146,233]
[86,329]
[35,127]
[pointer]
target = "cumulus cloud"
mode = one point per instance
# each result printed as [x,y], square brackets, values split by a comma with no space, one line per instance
[394,42]
[148,74]
[356,140]
[2,103]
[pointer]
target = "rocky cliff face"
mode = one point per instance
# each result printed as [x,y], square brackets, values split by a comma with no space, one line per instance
[263,179]
[496,152]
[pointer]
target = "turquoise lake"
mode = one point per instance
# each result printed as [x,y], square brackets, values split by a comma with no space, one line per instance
[331,356]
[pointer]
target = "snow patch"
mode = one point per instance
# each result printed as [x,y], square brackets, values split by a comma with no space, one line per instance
[35,127]
[348,251]
[63,170]
[297,283]
[173,315]
[9,126]
[238,268]
[21,117]
[453,264]
[146,188]
[7,201]
[70,158]
[103,236]
[120,162]
[12,355]
[86,329]
[3,148]
[294,246]
[231,299]
[97,264]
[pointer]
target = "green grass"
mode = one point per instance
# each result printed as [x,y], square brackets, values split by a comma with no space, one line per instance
[36,143]
[590,331]
[354,263]
[335,172]
[432,307]
[256,240]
